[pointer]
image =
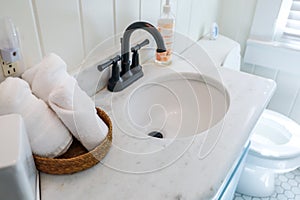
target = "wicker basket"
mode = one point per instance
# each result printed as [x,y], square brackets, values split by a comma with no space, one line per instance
[77,158]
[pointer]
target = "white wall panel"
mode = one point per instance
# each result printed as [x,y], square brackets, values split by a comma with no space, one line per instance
[60,28]
[286,99]
[245,20]
[229,18]
[284,96]
[273,56]
[263,24]
[98,22]
[249,68]
[210,11]
[265,72]
[235,19]
[183,16]
[295,113]
[203,14]
[22,14]
[127,11]
[150,11]
[197,22]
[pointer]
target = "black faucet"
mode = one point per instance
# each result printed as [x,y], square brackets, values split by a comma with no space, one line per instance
[130,71]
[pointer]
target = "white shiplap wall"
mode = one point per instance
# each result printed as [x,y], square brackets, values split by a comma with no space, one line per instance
[71,28]
[59,25]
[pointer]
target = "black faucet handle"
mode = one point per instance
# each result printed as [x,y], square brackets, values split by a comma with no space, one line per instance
[112,61]
[135,62]
[140,45]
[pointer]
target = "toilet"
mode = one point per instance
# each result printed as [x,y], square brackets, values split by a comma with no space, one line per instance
[275,140]
[275,148]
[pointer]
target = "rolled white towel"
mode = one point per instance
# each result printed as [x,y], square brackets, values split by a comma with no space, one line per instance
[75,108]
[50,81]
[46,75]
[29,74]
[47,135]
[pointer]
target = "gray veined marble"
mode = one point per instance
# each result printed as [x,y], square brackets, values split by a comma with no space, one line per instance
[191,167]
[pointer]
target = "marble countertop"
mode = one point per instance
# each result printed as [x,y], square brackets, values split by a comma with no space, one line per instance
[185,168]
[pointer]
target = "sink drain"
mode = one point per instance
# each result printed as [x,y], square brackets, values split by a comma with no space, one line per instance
[156,134]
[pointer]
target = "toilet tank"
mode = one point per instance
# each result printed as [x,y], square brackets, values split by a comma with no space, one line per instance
[223,51]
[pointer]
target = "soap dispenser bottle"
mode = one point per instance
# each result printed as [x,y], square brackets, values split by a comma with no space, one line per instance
[166,25]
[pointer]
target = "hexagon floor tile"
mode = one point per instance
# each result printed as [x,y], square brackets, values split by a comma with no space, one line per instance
[287,187]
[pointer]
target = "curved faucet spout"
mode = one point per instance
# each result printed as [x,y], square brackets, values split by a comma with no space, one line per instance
[125,46]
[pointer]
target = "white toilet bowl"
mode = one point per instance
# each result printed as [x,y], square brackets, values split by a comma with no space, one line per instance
[275,148]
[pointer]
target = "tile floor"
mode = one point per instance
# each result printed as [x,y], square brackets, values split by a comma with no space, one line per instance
[287,187]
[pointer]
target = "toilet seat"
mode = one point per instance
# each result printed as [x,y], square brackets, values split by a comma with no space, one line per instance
[276,136]
[275,143]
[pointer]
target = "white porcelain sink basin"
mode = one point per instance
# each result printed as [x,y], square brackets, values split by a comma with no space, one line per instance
[177,105]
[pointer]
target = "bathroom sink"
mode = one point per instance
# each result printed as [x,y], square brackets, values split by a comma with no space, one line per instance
[204,141]
[177,105]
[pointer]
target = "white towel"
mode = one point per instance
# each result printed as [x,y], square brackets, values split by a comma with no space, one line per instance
[46,75]
[50,81]
[47,135]
[77,111]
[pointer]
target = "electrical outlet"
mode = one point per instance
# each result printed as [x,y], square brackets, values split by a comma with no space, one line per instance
[10,69]
[11,62]
[14,69]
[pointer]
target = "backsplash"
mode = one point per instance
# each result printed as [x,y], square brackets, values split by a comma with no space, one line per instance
[71,28]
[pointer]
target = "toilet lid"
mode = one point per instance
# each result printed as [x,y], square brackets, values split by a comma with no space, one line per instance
[276,136]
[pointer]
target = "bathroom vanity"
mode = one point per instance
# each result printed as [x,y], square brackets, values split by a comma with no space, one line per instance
[192,161]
